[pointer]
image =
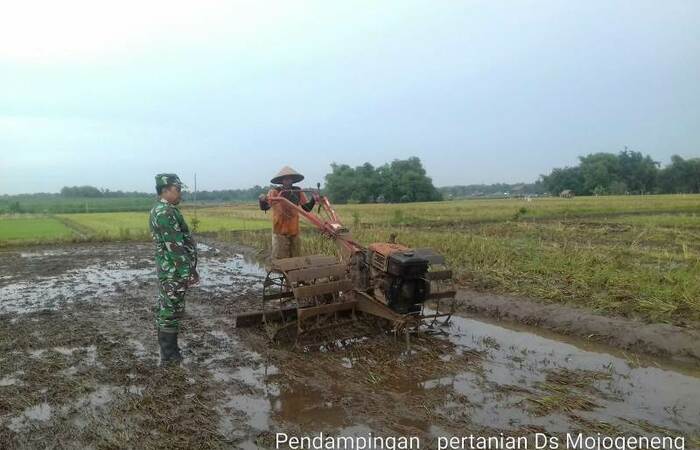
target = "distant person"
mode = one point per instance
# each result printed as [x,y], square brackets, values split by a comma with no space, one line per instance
[286,242]
[176,264]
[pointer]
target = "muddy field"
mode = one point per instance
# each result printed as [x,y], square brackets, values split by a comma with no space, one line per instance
[79,368]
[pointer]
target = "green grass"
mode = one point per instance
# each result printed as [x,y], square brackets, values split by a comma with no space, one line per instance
[134,225]
[60,205]
[34,229]
[626,255]
[210,223]
[124,225]
[29,229]
[465,212]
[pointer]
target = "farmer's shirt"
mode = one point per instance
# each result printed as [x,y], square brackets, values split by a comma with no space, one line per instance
[285,219]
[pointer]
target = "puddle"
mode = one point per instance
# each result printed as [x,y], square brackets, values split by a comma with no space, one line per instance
[301,405]
[136,390]
[220,275]
[41,413]
[515,366]
[520,360]
[139,348]
[205,248]
[113,278]
[100,397]
[96,280]
[248,445]
[257,377]
[69,371]
[220,334]
[256,409]
[43,253]
[298,404]
[254,377]
[87,355]
[8,381]
[64,350]
[263,400]
[11,380]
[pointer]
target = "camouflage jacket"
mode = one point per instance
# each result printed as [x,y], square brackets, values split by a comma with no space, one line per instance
[176,252]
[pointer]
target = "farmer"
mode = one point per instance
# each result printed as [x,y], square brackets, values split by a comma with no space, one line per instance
[176,262]
[286,242]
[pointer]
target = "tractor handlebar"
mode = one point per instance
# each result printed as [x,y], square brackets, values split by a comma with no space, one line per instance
[332,227]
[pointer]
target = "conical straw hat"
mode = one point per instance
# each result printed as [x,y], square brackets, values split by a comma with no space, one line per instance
[287,172]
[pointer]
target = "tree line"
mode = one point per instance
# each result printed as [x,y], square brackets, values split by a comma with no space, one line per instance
[226,195]
[398,181]
[93,192]
[627,172]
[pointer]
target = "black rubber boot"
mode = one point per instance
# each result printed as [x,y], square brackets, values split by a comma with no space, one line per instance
[169,350]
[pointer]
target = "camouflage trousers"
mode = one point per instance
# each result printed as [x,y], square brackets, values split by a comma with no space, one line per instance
[171,304]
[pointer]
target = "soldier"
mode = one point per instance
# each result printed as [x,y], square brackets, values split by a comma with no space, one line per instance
[176,263]
[286,242]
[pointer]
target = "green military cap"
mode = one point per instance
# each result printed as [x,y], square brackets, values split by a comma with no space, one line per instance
[169,179]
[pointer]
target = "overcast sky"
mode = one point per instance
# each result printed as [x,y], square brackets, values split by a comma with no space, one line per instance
[110,93]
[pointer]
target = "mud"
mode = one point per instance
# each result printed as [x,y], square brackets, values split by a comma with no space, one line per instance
[655,339]
[79,368]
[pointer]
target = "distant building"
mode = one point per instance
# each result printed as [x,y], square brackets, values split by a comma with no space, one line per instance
[567,193]
[518,191]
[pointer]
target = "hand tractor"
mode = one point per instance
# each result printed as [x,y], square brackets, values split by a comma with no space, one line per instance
[306,294]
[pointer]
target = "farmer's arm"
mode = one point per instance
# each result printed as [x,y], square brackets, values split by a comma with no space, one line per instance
[307,205]
[264,200]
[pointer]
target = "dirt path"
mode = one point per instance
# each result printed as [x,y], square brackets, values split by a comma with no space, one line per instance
[78,368]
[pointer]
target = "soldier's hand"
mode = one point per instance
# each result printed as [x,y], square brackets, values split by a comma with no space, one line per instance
[194,277]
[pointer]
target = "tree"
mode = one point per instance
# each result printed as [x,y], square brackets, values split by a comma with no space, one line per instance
[599,170]
[608,173]
[619,188]
[367,184]
[568,178]
[81,191]
[340,183]
[681,176]
[15,207]
[401,180]
[636,171]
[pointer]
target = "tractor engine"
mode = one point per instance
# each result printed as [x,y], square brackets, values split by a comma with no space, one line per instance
[399,277]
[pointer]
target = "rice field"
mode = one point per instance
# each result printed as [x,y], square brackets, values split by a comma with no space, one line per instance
[124,226]
[47,204]
[19,229]
[628,255]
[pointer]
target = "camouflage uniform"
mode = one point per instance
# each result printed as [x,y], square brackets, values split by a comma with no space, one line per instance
[176,260]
